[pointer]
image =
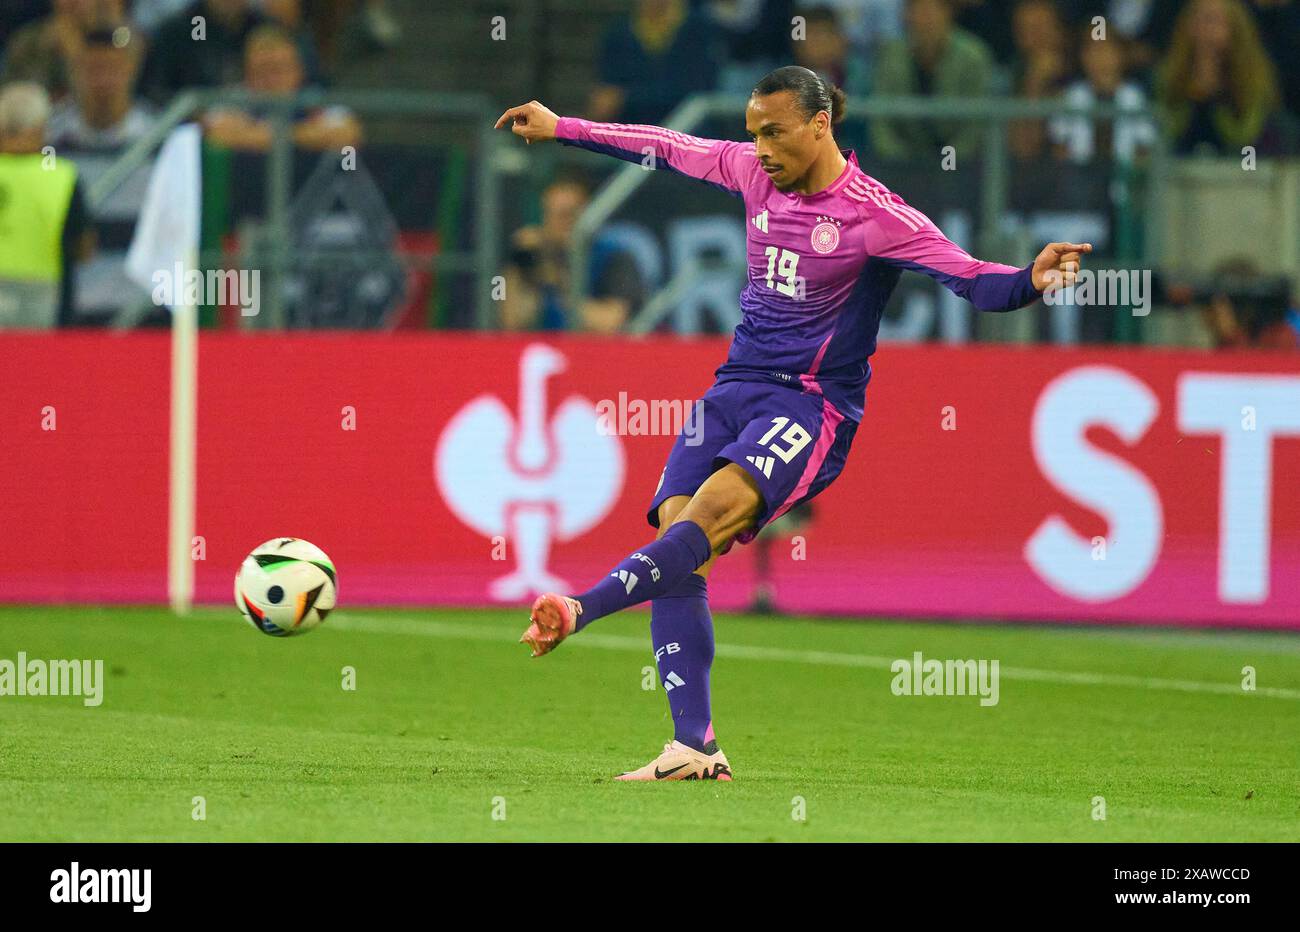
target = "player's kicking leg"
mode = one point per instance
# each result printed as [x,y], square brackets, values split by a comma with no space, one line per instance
[681,625]
[725,505]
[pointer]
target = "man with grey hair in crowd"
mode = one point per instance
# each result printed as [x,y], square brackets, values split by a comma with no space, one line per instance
[44,225]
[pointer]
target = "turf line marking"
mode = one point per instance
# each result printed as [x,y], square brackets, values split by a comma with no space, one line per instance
[374,624]
[1251,642]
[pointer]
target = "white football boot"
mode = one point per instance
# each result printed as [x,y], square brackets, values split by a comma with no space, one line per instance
[680,762]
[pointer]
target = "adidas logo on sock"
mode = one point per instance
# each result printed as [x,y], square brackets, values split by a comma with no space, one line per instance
[672,681]
[628,580]
[762,462]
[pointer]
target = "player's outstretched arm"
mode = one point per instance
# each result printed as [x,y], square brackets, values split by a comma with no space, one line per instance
[723,164]
[907,238]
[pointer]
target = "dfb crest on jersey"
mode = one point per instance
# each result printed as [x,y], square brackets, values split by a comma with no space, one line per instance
[826,235]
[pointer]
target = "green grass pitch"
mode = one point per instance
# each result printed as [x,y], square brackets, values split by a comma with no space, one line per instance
[451,723]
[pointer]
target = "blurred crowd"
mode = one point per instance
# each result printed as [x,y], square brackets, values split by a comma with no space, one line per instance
[89,77]
[108,66]
[84,79]
[1227,70]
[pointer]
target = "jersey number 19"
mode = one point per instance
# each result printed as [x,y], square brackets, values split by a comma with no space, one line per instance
[787,266]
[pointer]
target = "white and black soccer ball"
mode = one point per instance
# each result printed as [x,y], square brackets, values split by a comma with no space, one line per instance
[286,586]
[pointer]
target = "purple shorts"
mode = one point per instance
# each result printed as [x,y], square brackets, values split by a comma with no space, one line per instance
[794,443]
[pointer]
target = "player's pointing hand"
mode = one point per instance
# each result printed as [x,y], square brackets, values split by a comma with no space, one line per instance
[1057,266]
[532,121]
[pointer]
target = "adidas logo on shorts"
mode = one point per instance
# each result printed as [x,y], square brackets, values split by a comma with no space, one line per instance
[762,462]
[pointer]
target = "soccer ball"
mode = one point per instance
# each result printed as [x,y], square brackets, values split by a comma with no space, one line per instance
[286,586]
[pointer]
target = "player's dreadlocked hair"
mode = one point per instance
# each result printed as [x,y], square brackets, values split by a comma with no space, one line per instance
[813,94]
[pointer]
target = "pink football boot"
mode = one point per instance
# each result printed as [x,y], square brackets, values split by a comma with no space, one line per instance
[553,618]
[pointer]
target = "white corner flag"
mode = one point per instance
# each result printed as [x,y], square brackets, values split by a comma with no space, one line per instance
[163,250]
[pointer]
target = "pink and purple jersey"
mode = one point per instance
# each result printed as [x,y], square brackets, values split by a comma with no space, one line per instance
[821,266]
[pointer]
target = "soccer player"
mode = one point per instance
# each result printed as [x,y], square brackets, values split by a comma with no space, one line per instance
[826,246]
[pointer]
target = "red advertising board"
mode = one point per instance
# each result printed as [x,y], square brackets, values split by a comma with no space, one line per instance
[1037,483]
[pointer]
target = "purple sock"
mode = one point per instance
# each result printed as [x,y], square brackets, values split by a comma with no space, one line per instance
[682,630]
[655,569]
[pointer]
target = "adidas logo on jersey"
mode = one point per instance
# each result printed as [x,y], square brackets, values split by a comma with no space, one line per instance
[628,580]
[762,462]
[761,221]
[672,681]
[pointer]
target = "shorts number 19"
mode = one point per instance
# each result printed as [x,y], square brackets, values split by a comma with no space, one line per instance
[795,436]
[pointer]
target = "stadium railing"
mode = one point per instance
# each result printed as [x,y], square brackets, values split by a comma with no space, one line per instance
[468,246]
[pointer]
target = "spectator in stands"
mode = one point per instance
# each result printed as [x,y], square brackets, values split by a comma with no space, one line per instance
[211,53]
[42,51]
[370,24]
[375,25]
[537,277]
[1080,140]
[867,25]
[1239,322]
[92,127]
[652,60]
[347,26]
[44,225]
[148,15]
[990,22]
[825,50]
[1040,69]
[936,59]
[1279,28]
[756,37]
[1146,26]
[1216,80]
[103,113]
[272,65]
